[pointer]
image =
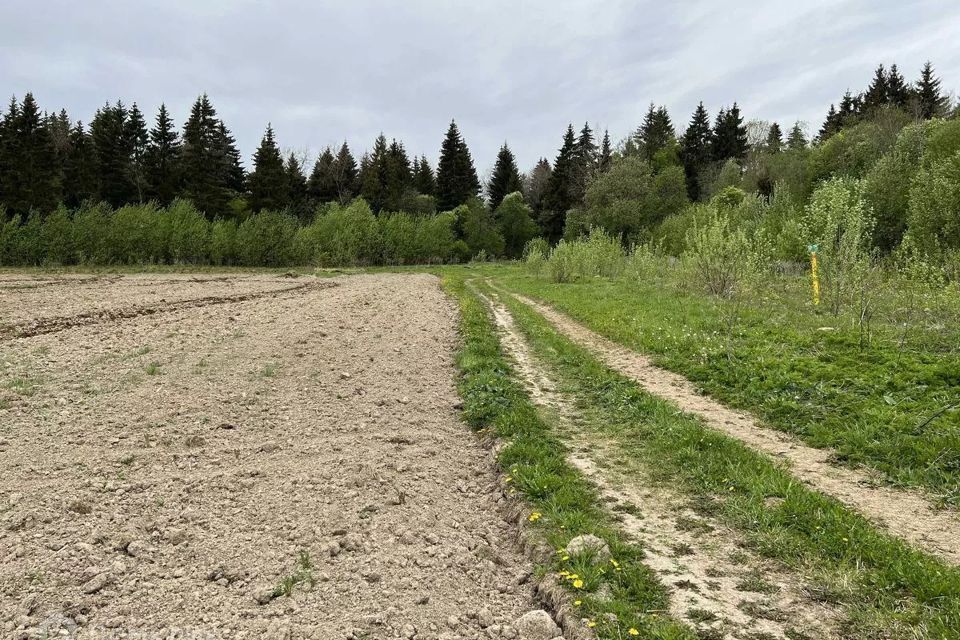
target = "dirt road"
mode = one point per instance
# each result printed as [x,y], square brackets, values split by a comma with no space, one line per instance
[271,460]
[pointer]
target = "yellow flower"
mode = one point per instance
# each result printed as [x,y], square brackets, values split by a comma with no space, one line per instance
[633,632]
[578,584]
[534,516]
[572,576]
[614,562]
[591,624]
[577,603]
[508,479]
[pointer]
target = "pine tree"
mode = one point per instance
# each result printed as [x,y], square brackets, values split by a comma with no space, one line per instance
[398,177]
[269,188]
[345,174]
[457,180]
[322,186]
[877,94]
[586,161]
[505,179]
[561,190]
[898,91]
[797,140]
[605,157]
[9,152]
[137,139]
[851,108]
[729,135]
[373,175]
[297,185]
[774,142]
[204,174]
[695,149]
[930,102]
[80,169]
[113,148]
[163,159]
[424,180]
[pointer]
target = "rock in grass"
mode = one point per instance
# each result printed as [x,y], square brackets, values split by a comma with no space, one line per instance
[537,625]
[589,544]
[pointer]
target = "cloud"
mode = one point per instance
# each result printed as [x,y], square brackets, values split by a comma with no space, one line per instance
[323,72]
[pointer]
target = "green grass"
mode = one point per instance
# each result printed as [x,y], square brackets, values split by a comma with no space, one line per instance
[797,369]
[565,503]
[152,369]
[888,588]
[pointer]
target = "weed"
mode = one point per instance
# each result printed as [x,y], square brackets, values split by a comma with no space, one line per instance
[152,369]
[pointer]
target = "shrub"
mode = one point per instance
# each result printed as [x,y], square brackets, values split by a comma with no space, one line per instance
[477,229]
[597,255]
[934,207]
[91,225]
[516,225]
[56,238]
[535,254]
[136,235]
[223,242]
[266,239]
[187,233]
[719,258]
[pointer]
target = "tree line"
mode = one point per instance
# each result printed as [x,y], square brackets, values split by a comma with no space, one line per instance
[49,164]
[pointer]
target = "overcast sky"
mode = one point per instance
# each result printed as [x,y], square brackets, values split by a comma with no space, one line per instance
[507,70]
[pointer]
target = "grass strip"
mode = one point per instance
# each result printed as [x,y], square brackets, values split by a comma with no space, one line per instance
[564,504]
[890,589]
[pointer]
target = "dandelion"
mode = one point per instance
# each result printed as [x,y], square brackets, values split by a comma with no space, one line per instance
[633,632]
[615,563]
[578,584]
[591,623]
[577,603]
[534,516]
[565,558]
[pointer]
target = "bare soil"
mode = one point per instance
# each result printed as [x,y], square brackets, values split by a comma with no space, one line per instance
[906,514]
[258,457]
[717,585]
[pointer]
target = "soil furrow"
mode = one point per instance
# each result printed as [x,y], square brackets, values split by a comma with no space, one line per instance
[906,514]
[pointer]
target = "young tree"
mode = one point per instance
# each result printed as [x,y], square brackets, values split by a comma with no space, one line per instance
[297,185]
[898,91]
[505,178]
[423,179]
[373,175]
[562,188]
[656,133]
[345,174]
[695,150]
[850,111]
[930,102]
[269,186]
[162,159]
[831,125]
[398,177]
[515,221]
[605,156]
[457,180]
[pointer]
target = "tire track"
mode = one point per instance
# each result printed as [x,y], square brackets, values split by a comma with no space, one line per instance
[43,326]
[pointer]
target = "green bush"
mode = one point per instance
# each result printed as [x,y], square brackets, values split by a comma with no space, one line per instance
[266,239]
[187,234]
[91,225]
[137,235]
[516,224]
[56,239]
[597,255]
[934,207]
[720,258]
[223,242]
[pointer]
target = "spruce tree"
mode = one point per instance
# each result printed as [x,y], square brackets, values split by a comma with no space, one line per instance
[373,176]
[561,190]
[298,201]
[137,139]
[80,169]
[655,133]
[730,135]
[505,179]
[30,180]
[231,167]
[424,181]
[204,165]
[345,174]
[269,188]
[605,156]
[898,91]
[163,159]
[831,124]
[851,108]
[797,140]
[322,186]
[774,143]
[457,180]
[114,150]
[930,102]
[398,176]
[877,94]
[586,161]
[695,149]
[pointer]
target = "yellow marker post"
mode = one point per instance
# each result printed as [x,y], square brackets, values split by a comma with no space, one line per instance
[814,277]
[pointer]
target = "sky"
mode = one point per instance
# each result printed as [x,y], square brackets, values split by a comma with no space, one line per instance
[507,70]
